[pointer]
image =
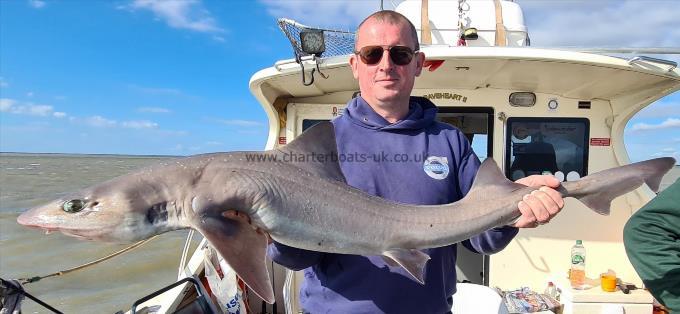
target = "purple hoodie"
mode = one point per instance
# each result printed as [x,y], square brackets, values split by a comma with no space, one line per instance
[416,160]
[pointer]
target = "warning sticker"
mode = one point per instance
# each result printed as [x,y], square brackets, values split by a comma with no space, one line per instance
[600,141]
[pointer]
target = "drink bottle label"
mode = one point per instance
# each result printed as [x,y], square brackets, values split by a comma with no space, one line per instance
[578,259]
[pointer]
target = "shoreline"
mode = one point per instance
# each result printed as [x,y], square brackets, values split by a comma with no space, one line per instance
[24,154]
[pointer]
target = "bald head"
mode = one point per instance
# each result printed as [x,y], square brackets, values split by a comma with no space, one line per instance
[390,17]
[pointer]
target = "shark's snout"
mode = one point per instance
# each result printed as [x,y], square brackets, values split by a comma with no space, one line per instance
[28,219]
[35,219]
[24,220]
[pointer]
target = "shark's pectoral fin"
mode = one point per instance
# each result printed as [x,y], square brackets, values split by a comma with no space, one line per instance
[413,261]
[244,249]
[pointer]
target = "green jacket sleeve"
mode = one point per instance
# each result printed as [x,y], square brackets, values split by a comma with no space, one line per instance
[652,241]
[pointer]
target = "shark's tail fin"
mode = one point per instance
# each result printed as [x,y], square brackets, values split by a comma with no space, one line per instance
[597,190]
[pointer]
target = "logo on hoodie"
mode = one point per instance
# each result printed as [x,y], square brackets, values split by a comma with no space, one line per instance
[436,167]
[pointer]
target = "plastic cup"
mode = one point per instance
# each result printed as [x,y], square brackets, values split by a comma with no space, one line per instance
[608,282]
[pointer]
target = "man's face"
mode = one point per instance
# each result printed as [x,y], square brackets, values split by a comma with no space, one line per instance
[385,83]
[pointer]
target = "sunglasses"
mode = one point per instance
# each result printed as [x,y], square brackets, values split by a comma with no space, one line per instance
[400,55]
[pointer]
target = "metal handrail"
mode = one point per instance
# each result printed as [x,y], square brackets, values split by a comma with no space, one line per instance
[671,64]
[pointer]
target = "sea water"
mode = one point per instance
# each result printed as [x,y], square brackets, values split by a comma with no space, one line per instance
[28,180]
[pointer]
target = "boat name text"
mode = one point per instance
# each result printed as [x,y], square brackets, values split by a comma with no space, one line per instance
[453,96]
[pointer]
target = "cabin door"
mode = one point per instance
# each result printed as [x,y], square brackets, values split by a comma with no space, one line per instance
[477,125]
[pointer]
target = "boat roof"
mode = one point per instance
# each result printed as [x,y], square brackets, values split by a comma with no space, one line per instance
[565,73]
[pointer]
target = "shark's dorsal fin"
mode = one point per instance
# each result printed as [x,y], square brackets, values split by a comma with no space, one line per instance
[315,151]
[491,180]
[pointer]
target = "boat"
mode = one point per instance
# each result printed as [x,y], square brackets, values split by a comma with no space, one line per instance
[534,110]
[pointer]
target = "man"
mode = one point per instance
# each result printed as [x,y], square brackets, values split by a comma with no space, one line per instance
[652,240]
[386,121]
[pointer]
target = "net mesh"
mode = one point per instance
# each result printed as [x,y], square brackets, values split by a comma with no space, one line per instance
[337,42]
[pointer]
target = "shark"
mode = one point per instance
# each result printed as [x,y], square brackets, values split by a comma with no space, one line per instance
[238,200]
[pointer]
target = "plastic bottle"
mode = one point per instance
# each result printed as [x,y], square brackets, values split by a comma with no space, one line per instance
[551,290]
[577,275]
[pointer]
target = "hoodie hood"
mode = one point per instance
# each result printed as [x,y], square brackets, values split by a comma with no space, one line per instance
[421,114]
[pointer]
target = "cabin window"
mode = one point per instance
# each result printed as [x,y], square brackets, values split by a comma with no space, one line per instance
[308,123]
[475,123]
[556,146]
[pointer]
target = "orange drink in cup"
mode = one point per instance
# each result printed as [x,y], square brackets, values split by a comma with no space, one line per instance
[608,282]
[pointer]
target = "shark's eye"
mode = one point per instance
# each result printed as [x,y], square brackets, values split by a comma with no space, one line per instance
[74,206]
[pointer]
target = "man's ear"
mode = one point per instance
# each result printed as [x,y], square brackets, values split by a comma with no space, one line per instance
[354,64]
[420,60]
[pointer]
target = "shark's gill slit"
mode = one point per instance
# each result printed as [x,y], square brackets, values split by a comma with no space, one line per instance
[158,213]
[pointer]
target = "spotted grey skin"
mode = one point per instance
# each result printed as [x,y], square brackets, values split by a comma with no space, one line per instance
[304,204]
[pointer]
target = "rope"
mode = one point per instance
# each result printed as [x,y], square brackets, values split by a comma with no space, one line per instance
[63,272]
[461,31]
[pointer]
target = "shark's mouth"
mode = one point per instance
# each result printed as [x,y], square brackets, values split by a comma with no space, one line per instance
[81,234]
[93,234]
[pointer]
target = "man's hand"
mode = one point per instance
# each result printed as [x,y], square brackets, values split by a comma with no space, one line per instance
[541,205]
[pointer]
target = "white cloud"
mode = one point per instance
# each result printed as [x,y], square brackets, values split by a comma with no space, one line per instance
[6,104]
[330,13]
[213,143]
[100,122]
[38,4]
[182,14]
[153,110]
[38,110]
[139,124]
[669,123]
[13,106]
[29,94]
[3,83]
[59,114]
[662,109]
[586,23]
[242,123]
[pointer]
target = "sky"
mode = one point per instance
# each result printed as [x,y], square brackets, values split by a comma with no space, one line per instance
[151,77]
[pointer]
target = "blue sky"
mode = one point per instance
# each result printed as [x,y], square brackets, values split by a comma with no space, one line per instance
[171,77]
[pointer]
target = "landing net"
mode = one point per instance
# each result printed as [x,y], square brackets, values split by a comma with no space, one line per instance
[337,42]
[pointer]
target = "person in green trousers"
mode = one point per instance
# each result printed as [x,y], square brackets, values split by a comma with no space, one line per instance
[652,241]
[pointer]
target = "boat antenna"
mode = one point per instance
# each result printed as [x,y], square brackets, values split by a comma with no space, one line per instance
[381,5]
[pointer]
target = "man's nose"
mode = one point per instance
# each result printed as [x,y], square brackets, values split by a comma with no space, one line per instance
[386,63]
